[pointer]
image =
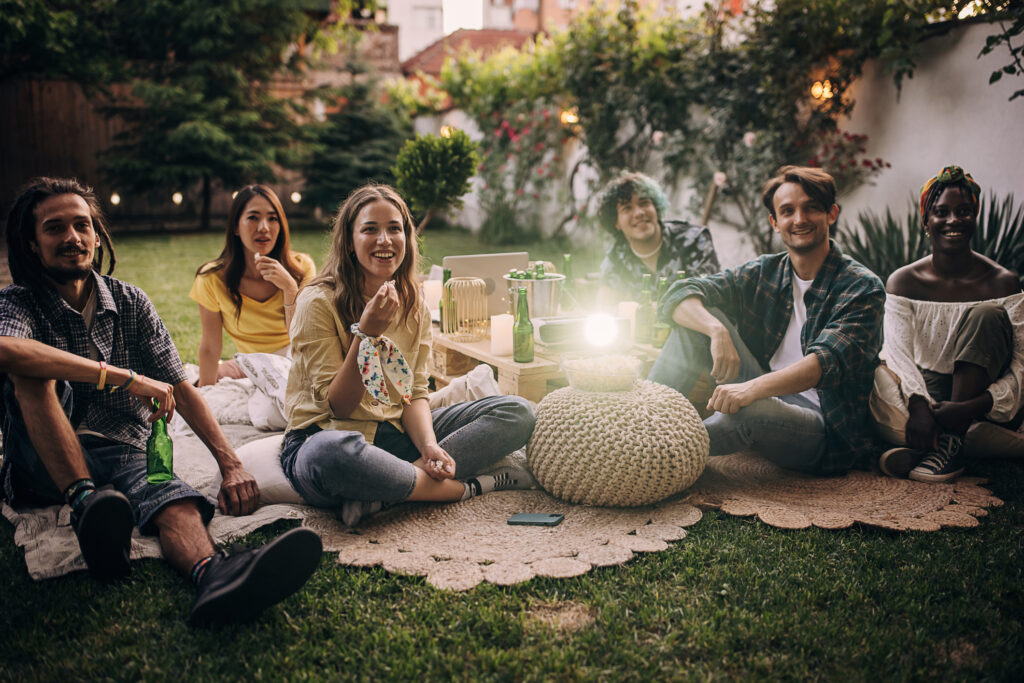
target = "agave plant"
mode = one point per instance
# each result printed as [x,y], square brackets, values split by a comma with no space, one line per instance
[885,243]
[1000,233]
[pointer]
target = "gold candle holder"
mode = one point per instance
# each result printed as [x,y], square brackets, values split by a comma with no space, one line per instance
[465,309]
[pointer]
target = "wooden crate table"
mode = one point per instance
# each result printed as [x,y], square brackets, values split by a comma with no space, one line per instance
[450,359]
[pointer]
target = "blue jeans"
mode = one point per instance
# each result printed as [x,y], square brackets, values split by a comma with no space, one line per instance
[328,467]
[27,483]
[788,430]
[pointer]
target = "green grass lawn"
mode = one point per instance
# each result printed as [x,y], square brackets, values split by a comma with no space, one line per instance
[736,599]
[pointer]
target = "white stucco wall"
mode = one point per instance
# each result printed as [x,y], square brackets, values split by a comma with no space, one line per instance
[946,114]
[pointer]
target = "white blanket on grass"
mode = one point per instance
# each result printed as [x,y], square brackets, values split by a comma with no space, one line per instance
[51,548]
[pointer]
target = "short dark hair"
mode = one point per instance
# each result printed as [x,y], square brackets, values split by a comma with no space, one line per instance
[26,268]
[819,186]
[623,188]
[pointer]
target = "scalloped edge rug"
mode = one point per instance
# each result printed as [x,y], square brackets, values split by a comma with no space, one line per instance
[459,546]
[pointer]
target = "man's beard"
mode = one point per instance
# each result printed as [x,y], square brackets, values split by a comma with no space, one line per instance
[63,275]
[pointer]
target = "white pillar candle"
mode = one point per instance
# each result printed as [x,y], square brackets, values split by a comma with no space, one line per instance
[627,310]
[432,293]
[501,334]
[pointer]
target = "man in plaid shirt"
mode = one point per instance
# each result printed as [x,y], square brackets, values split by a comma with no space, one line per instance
[790,339]
[85,356]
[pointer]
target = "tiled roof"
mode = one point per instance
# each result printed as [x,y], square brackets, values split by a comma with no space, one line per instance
[430,59]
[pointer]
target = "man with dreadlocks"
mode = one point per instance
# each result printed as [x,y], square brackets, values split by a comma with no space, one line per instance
[85,357]
[954,340]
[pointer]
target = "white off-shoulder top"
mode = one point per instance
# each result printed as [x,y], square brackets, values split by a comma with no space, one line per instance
[920,334]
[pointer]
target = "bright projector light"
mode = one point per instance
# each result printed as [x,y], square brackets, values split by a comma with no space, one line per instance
[600,330]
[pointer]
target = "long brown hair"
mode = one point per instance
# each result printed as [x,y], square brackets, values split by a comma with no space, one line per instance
[232,257]
[341,271]
[26,268]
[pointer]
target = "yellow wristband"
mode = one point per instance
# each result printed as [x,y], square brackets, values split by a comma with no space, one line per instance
[103,376]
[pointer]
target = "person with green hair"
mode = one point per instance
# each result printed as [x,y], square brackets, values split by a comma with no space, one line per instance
[953,383]
[632,207]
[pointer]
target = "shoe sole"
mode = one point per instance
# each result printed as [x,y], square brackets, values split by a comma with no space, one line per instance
[898,462]
[929,478]
[280,568]
[105,536]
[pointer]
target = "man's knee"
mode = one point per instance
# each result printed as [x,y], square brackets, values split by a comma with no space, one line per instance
[178,515]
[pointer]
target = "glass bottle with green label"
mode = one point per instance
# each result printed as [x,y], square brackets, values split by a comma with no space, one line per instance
[159,452]
[644,331]
[661,330]
[522,331]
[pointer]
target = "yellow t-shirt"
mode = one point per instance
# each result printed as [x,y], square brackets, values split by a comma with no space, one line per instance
[320,342]
[259,327]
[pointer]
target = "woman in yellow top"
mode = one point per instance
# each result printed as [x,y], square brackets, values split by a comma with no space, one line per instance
[360,430]
[249,290]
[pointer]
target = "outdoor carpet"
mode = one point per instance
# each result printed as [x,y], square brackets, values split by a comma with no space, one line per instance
[459,545]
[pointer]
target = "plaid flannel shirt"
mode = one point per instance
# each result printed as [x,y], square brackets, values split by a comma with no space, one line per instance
[128,333]
[844,330]
[683,247]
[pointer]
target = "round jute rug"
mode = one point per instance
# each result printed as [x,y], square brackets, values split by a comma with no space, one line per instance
[744,484]
[457,546]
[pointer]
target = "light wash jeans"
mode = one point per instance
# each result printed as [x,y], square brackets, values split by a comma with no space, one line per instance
[329,467]
[788,430]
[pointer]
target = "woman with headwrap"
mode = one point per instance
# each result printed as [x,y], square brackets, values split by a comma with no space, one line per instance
[954,345]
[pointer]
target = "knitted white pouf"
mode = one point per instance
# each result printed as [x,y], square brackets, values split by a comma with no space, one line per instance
[617,448]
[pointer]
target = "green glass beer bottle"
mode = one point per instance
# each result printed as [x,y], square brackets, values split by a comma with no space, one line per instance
[567,271]
[522,331]
[159,452]
[644,333]
[538,271]
[661,330]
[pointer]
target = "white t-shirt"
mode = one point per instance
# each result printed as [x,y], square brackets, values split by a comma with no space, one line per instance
[789,350]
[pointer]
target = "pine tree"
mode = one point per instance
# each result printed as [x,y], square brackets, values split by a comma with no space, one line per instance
[356,145]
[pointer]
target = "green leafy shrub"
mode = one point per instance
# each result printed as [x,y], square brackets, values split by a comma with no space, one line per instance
[432,172]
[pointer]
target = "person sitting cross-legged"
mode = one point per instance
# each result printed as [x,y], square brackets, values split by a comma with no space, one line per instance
[360,430]
[791,339]
[954,344]
[85,355]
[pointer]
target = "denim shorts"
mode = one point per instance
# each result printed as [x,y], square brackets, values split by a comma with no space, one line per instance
[26,482]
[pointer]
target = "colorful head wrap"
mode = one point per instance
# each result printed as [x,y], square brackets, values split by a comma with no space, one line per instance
[949,176]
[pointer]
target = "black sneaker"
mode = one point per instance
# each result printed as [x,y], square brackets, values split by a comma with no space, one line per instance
[897,462]
[103,523]
[942,464]
[235,588]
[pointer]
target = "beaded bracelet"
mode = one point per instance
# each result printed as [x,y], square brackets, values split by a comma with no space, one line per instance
[126,384]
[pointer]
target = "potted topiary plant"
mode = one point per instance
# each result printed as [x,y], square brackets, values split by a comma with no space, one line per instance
[432,172]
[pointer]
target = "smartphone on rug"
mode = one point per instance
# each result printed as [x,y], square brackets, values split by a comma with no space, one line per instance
[536,519]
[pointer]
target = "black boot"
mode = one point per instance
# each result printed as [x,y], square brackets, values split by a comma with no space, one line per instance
[103,523]
[237,587]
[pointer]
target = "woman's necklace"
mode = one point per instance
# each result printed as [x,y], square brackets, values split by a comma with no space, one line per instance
[647,255]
